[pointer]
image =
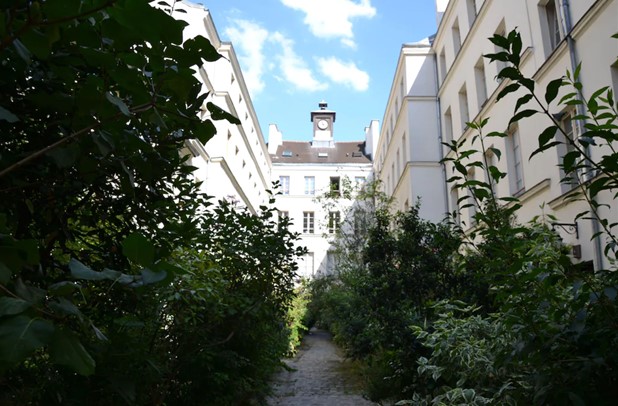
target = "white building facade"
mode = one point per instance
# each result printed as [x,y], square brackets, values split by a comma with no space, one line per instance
[308,170]
[234,165]
[556,35]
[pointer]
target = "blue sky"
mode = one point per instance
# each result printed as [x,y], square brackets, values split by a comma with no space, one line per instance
[295,53]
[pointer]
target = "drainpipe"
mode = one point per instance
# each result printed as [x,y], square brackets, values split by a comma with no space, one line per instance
[568,26]
[439,126]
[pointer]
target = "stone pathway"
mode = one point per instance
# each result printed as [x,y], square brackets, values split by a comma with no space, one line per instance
[318,377]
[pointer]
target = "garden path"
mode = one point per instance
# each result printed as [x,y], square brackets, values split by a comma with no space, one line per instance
[319,376]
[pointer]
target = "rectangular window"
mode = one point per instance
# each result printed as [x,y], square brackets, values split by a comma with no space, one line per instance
[456,38]
[481,85]
[284,184]
[398,163]
[552,28]
[310,185]
[305,267]
[569,181]
[442,64]
[404,147]
[308,222]
[490,158]
[471,201]
[359,180]
[448,126]
[393,177]
[463,108]
[334,219]
[455,205]
[516,169]
[501,31]
[471,8]
[614,75]
[335,185]
[331,261]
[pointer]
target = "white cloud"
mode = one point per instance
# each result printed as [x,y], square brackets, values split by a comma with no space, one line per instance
[294,68]
[249,39]
[332,18]
[346,73]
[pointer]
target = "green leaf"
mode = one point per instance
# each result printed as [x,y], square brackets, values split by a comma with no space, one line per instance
[118,103]
[149,276]
[513,87]
[547,135]
[66,349]
[522,114]
[217,113]
[21,335]
[81,271]
[551,91]
[10,306]
[5,273]
[7,115]
[522,100]
[204,131]
[138,249]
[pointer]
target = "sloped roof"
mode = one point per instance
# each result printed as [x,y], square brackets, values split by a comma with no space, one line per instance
[301,152]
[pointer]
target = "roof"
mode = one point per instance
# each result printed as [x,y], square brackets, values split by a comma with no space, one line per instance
[301,152]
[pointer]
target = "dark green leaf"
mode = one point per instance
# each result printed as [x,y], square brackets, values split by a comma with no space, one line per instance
[522,114]
[547,135]
[7,115]
[138,249]
[551,91]
[522,100]
[513,87]
[10,306]
[66,349]
[21,335]
[118,103]
[217,113]
[5,273]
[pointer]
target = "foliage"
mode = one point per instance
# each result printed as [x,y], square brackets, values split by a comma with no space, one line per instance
[119,281]
[298,319]
[498,314]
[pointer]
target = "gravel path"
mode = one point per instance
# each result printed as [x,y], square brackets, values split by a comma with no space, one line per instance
[318,377]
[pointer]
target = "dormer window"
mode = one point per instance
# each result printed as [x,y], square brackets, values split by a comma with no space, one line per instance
[357,154]
[322,154]
[287,153]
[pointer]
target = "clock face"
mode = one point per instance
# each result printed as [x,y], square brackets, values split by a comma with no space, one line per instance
[322,124]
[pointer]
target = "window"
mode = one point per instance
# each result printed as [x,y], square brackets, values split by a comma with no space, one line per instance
[331,261]
[308,222]
[463,108]
[404,146]
[614,74]
[398,163]
[499,64]
[305,267]
[455,204]
[335,185]
[310,185]
[552,25]
[334,219]
[569,181]
[516,169]
[448,125]
[359,180]
[456,37]
[471,201]
[287,153]
[393,177]
[284,182]
[402,92]
[360,222]
[471,6]
[442,64]
[481,86]
[491,160]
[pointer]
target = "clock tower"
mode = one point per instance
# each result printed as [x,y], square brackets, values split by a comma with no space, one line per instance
[323,121]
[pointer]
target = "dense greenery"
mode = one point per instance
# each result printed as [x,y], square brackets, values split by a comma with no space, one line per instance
[500,314]
[119,281]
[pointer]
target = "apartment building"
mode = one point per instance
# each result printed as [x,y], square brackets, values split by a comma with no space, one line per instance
[308,170]
[556,35]
[235,164]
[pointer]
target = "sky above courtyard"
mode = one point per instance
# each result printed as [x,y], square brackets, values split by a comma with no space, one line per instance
[295,53]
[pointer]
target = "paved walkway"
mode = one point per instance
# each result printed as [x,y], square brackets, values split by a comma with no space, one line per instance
[319,377]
